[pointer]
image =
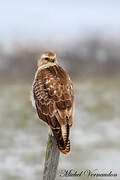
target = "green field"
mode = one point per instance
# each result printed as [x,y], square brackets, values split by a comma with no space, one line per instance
[94,136]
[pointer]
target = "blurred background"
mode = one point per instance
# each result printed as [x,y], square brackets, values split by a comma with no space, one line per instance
[86,38]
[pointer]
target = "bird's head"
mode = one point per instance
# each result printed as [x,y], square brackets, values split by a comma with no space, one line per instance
[47,58]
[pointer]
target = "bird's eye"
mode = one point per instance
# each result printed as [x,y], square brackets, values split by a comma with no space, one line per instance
[46,58]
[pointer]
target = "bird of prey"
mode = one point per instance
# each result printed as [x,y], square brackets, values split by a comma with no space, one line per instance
[53,98]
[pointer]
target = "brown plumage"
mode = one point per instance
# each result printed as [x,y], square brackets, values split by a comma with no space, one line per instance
[53,97]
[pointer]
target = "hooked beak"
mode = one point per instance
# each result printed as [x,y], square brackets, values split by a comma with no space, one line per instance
[52,59]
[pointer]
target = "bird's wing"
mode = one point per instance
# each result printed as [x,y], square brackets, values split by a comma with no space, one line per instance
[53,96]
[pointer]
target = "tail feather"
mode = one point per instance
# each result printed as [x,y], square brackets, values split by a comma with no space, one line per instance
[67,148]
[65,133]
[62,138]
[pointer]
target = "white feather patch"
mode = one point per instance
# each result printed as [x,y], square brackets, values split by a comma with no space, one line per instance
[31,92]
[51,86]
[47,81]
[54,91]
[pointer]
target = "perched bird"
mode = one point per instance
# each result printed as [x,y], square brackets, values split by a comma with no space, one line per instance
[53,98]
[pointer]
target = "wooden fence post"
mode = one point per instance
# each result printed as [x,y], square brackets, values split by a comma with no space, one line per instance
[51,159]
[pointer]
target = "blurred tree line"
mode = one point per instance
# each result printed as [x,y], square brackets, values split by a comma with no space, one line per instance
[87,57]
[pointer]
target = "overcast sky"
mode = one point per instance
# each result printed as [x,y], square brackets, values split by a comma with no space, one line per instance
[63,19]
